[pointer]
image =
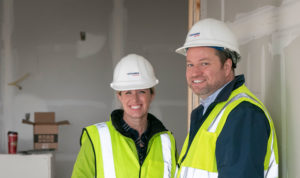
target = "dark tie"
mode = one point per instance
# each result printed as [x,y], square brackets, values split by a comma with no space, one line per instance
[196,122]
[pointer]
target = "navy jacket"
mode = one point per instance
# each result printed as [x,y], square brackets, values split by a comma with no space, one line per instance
[242,144]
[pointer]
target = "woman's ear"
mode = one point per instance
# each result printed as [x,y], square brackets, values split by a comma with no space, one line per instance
[152,93]
[152,96]
[118,93]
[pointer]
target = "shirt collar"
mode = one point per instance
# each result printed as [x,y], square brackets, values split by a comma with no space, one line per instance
[207,101]
[223,93]
[226,92]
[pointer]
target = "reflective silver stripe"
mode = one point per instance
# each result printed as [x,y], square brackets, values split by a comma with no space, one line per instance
[106,148]
[272,171]
[214,124]
[167,155]
[188,172]
[176,171]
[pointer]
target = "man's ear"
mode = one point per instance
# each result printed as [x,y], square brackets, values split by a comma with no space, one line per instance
[228,66]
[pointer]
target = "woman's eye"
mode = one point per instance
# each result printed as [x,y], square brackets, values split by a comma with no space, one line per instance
[204,63]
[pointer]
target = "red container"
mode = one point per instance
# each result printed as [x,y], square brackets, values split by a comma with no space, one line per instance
[12,142]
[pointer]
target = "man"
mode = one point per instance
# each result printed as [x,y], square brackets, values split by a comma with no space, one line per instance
[231,133]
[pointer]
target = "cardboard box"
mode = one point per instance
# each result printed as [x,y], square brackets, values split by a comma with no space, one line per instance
[45,130]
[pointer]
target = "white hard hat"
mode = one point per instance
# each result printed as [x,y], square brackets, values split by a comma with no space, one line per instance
[210,32]
[133,72]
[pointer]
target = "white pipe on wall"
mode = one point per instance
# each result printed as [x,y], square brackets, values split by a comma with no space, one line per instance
[281,40]
[118,30]
[223,10]
[263,75]
[203,9]
[7,92]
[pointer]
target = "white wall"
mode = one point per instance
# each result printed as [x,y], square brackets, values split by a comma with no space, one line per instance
[71,77]
[268,33]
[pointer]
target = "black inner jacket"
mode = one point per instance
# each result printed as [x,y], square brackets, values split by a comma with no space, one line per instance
[141,143]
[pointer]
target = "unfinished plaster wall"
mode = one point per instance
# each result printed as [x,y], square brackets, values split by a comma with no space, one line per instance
[269,33]
[71,76]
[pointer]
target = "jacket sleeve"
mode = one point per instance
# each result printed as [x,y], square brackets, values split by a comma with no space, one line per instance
[84,166]
[241,146]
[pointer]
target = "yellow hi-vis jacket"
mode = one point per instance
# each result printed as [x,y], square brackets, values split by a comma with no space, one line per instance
[200,161]
[116,155]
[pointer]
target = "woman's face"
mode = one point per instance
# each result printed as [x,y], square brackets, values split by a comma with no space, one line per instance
[135,102]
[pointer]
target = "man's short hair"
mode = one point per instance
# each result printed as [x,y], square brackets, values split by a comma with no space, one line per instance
[227,53]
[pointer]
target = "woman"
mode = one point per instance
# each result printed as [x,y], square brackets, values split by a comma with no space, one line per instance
[134,143]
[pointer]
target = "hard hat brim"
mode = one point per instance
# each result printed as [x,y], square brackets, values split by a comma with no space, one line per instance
[133,86]
[182,50]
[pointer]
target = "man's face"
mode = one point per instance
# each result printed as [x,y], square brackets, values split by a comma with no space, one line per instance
[204,71]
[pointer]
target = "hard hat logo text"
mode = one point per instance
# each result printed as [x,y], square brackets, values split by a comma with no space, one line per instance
[133,73]
[195,34]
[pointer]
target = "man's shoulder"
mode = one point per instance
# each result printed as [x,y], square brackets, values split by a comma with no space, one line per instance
[248,113]
[246,106]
